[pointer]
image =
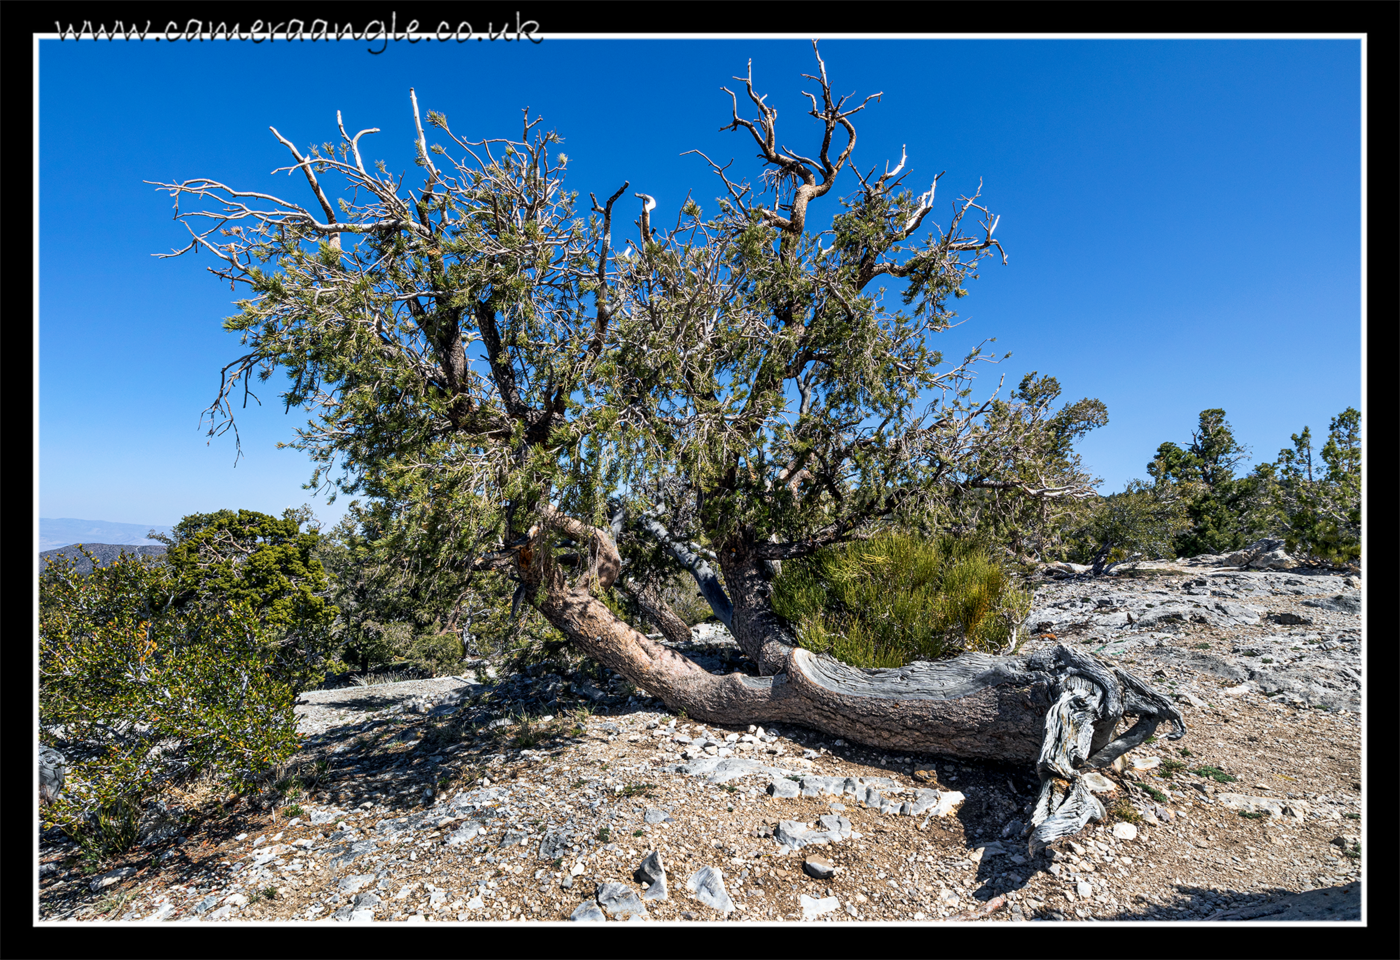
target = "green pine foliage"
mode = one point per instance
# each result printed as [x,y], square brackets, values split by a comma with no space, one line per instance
[1322,515]
[1203,475]
[897,598]
[141,693]
[607,369]
[991,503]
[1195,504]
[267,563]
[406,595]
[1142,522]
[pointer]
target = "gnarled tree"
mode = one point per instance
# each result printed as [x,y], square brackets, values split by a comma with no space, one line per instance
[731,388]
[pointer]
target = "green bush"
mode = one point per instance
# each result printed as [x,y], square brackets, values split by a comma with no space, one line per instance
[273,566]
[428,654]
[1322,513]
[403,596]
[887,601]
[1141,522]
[140,694]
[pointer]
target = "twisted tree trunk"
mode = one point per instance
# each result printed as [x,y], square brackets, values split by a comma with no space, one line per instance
[1058,709]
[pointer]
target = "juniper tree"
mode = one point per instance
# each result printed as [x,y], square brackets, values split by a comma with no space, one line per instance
[486,335]
[1204,475]
[1322,514]
[270,564]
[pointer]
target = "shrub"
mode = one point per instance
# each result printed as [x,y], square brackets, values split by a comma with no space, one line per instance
[1125,811]
[140,695]
[895,598]
[1142,522]
[434,653]
[272,565]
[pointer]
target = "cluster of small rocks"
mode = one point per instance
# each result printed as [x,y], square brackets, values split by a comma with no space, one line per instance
[782,824]
[1294,635]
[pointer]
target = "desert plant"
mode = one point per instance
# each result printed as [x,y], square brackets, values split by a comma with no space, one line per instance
[887,601]
[529,735]
[1125,811]
[433,441]
[270,564]
[142,695]
[482,337]
[1153,792]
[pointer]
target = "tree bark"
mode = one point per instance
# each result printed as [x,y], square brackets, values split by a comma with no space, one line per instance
[972,706]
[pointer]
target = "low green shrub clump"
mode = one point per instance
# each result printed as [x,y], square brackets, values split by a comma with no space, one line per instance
[141,694]
[1154,793]
[893,599]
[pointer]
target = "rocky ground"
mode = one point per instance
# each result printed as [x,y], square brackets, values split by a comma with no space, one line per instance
[547,798]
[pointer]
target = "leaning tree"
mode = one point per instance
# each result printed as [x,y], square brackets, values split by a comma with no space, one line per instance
[722,393]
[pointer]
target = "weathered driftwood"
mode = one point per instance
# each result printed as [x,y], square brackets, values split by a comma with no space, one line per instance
[1058,709]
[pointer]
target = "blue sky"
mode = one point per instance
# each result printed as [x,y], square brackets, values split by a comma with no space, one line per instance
[1182,219]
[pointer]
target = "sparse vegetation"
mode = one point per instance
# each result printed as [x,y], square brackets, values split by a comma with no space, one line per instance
[1125,811]
[111,905]
[529,735]
[1214,773]
[1154,793]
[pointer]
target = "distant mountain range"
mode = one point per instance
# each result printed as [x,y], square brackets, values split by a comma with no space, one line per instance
[61,532]
[104,552]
